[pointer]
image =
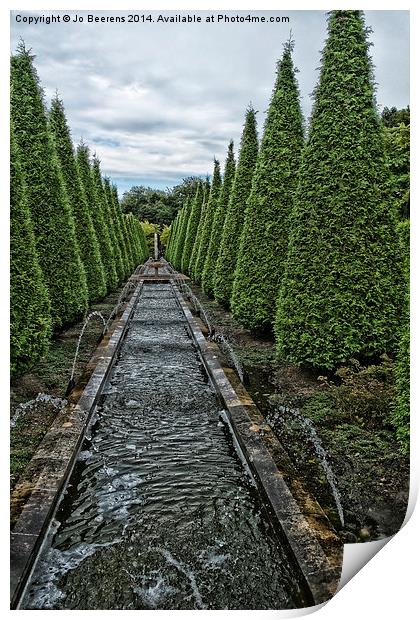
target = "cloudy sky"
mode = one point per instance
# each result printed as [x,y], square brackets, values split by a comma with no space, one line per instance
[157,101]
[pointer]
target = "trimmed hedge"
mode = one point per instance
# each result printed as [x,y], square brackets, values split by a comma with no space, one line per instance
[207,215]
[196,244]
[85,232]
[229,244]
[218,222]
[192,226]
[52,220]
[401,410]
[340,295]
[30,317]
[264,239]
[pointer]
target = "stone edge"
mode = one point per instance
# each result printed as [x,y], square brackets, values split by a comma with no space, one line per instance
[319,575]
[66,433]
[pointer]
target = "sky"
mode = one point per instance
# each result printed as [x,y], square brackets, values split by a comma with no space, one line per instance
[158,101]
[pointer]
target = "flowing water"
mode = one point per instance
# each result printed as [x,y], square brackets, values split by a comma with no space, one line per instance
[159,512]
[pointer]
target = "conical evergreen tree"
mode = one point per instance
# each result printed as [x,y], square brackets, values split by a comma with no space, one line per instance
[85,232]
[192,226]
[196,245]
[208,215]
[339,295]
[218,222]
[229,245]
[113,230]
[101,207]
[264,239]
[182,233]
[51,216]
[30,318]
[120,230]
[129,241]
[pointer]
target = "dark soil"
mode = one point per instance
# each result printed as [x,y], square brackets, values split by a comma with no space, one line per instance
[350,415]
[49,376]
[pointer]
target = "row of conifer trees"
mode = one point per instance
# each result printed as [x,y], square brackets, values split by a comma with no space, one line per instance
[70,242]
[303,238]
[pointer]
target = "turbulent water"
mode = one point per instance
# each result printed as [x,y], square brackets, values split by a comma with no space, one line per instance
[159,513]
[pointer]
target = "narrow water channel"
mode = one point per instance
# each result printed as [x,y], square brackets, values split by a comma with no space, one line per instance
[159,512]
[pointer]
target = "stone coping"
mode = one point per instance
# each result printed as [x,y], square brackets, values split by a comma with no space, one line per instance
[52,464]
[320,575]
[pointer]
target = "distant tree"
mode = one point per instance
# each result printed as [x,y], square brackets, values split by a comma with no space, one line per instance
[85,232]
[51,216]
[229,245]
[206,227]
[185,214]
[391,117]
[121,230]
[113,230]
[30,317]
[101,208]
[149,230]
[192,226]
[196,244]
[164,236]
[218,223]
[265,235]
[340,295]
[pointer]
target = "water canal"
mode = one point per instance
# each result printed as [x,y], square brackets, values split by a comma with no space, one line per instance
[159,512]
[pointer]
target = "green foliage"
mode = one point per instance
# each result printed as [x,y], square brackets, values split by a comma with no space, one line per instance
[207,216]
[218,223]
[229,244]
[113,230]
[365,392]
[397,146]
[196,244]
[185,214]
[30,318]
[339,296]
[117,215]
[149,230]
[52,220]
[85,232]
[264,239]
[192,226]
[164,236]
[401,411]
[393,117]
[156,205]
[104,224]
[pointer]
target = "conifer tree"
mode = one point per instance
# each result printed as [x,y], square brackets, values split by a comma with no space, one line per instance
[229,245]
[101,208]
[401,409]
[264,239]
[182,233]
[339,297]
[120,230]
[113,230]
[129,241]
[196,245]
[192,226]
[52,220]
[30,317]
[85,232]
[218,222]
[208,222]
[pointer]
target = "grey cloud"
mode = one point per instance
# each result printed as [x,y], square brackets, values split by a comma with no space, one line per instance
[157,102]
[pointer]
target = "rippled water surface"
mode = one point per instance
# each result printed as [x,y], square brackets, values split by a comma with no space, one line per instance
[159,513]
